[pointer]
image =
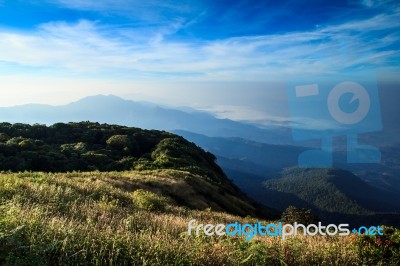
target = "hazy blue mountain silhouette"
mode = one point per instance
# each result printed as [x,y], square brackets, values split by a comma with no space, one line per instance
[260,157]
[115,110]
[249,163]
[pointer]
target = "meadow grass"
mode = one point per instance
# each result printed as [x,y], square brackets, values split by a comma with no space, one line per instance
[141,218]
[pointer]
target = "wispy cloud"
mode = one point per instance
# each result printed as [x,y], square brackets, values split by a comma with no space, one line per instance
[236,112]
[91,47]
[379,3]
[123,5]
[153,11]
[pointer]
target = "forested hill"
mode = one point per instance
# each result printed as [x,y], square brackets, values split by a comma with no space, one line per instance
[334,195]
[88,146]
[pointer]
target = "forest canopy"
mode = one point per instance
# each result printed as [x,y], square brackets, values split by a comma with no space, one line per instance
[88,146]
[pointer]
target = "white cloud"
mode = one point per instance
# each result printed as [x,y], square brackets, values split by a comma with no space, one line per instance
[154,11]
[120,5]
[59,62]
[379,3]
[247,114]
[58,45]
[89,47]
[368,3]
[235,112]
[307,123]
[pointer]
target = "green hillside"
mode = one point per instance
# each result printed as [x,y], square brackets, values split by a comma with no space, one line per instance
[334,194]
[315,187]
[111,195]
[89,146]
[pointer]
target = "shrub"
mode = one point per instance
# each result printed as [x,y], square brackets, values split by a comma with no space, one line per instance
[303,216]
[149,201]
[380,250]
[119,142]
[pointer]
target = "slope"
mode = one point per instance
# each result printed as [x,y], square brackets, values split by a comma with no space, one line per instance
[89,146]
[140,216]
[250,163]
[129,218]
[334,194]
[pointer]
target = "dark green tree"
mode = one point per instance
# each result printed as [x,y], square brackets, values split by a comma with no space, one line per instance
[299,215]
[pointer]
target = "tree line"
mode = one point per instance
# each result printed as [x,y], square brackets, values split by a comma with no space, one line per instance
[88,146]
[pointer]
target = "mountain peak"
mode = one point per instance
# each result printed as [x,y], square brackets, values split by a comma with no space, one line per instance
[100,98]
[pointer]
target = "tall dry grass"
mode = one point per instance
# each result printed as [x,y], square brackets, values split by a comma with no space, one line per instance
[130,218]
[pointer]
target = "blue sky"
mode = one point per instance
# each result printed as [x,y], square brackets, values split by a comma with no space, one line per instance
[228,57]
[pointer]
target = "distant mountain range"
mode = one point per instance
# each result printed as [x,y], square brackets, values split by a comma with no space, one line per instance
[266,173]
[255,158]
[247,162]
[115,110]
[250,162]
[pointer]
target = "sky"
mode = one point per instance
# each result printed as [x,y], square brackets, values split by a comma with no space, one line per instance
[232,58]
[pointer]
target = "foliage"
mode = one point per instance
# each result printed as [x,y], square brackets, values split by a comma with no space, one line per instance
[301,216]
[90,146]
[334,195]
[140,216]
[380,250]
[149,201]
[314,187]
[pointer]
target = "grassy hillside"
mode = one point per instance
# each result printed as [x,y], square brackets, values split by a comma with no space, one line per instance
[133,218]
[91,194]
[90,146]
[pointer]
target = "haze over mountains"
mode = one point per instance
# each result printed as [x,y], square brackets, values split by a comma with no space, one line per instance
[112,109]
[251,156]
